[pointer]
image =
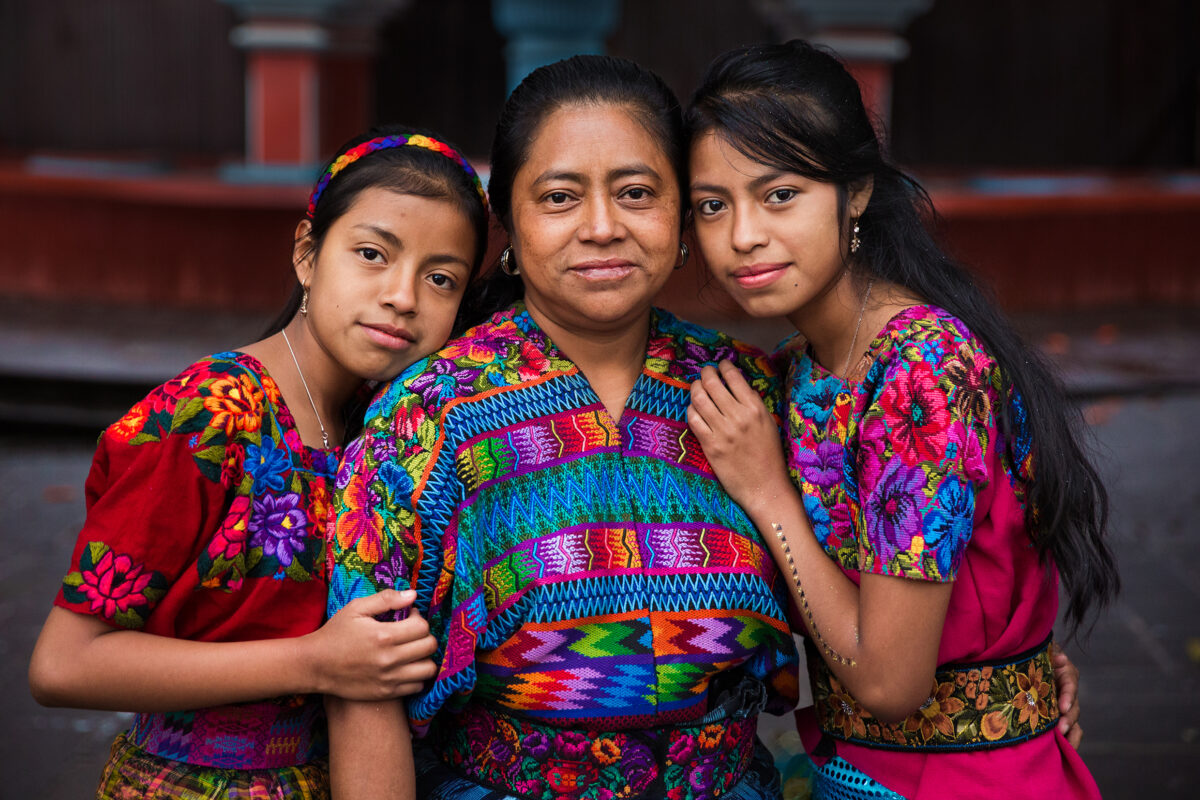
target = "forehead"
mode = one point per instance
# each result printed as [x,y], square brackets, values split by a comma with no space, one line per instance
[600,136]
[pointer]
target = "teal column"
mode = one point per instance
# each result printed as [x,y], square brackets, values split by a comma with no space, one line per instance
[541,32]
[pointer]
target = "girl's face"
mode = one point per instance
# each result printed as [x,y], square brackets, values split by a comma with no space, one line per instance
[772,239]
[385,287]
[595,218]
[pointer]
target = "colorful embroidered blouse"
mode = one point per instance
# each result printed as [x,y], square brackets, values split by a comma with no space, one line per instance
[575,569]
[906,474]
[205,514]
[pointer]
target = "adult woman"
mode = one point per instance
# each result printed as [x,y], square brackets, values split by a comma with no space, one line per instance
[609,623]
[933,453]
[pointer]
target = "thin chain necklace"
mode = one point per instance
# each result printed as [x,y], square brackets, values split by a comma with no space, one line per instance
[300,372]
[854,341]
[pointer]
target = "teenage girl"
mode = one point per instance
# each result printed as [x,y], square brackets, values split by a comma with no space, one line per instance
[198,584]
[938,490]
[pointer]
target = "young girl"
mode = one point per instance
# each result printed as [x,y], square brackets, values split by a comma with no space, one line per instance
[937,489]
[198,583]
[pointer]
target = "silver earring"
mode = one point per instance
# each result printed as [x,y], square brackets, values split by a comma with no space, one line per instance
[855,242]
[506,263]
[304,303]
[683,255]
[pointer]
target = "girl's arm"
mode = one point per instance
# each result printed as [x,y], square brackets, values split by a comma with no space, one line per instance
[880,638]
[83,662]
[370,750]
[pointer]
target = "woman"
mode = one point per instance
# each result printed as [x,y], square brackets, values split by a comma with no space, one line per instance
[609,623]
[940,490]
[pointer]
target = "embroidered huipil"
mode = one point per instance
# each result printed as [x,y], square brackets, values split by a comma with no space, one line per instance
[205,521]
[906,474]
[576,570]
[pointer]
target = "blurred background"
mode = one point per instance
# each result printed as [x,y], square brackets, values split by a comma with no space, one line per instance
[156,155]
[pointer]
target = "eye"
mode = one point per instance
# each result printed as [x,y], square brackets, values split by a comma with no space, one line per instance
[370,254]
[781,195]
[708,207]
[636,193]
[558,198]
[443,281]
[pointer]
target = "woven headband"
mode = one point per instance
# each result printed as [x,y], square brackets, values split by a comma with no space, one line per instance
[385,143]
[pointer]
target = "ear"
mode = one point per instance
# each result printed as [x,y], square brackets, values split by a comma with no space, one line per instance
[304,255]
[860,195]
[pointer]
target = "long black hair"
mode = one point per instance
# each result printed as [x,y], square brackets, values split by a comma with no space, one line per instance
[796,108]
[406,170]
[579,80]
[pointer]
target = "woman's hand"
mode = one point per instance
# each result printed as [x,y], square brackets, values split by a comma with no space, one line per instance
[739,437]
[1066,679]
[357,657]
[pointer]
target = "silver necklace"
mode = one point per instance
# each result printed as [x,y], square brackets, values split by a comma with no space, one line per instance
[300,372]
[854,341]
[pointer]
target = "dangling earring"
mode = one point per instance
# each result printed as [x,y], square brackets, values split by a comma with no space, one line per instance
[506,263]
[683,255]
[304,302]
[855,242]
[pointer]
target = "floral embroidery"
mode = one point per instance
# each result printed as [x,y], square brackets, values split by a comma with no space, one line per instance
[226,416]
[114,586]
[541,761]
[896,460]
[968,707]
[235,404]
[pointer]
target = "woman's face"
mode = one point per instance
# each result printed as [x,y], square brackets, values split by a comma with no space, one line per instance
[385,287]
[595,218]
[772,239]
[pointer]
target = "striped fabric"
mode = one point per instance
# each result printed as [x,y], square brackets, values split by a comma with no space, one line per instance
[578,570]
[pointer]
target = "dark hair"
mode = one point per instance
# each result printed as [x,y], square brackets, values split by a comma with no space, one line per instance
[579,80]
[406,170]
[796,108]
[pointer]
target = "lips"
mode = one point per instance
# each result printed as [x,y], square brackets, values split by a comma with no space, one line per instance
[756,276]
[389,336]
[604,269]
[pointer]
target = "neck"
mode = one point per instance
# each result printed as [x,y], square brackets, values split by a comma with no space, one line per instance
[611,355]
[319,375]
[330,384]
[839,323]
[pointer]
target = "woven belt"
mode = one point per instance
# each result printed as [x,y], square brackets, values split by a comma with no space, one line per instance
[530,759]
[286,732]
[972,706]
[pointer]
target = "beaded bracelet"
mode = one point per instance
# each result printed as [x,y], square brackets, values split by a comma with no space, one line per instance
[804,608]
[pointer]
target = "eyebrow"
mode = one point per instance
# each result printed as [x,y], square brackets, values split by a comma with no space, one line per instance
[382,233]
[626,171]
[754,185]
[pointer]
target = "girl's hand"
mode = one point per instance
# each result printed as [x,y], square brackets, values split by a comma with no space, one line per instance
[1066,679]
[357,657]
[739,437]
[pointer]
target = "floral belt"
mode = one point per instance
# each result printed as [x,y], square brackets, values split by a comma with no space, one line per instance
[531,759]
[285,732]
[972,706]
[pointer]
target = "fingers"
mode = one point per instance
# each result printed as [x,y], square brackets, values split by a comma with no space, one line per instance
[697,423]
[381,602]
[739,387]
[1075,736]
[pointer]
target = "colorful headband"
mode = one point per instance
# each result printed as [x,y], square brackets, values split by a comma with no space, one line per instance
[385,143]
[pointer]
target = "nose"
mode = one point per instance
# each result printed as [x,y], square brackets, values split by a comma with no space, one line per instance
[747,233]
[399,291]
[601,223]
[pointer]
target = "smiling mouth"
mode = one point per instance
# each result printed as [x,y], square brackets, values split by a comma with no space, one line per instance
[757,275]
[602,270]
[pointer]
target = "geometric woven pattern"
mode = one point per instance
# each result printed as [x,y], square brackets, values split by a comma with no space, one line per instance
[574,568]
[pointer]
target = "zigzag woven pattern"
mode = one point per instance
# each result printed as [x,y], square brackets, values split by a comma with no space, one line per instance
[267,735]
[572,567]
